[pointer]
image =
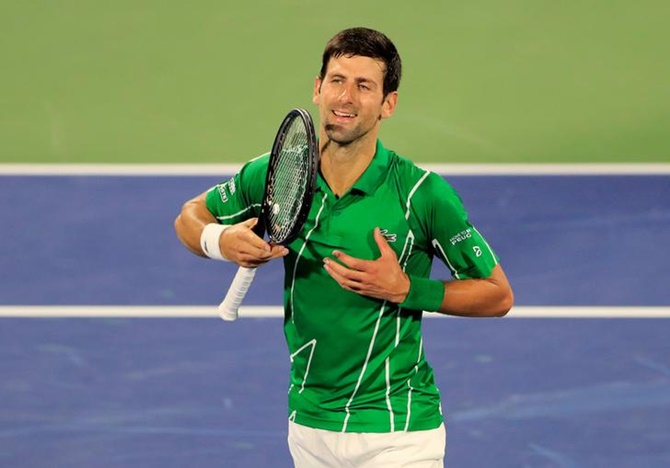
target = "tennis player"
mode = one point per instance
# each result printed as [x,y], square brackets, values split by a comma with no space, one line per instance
[357,279]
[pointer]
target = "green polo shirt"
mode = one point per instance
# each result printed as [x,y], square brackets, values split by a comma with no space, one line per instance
[357,363]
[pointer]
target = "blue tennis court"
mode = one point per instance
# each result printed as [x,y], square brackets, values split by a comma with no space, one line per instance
[113,391]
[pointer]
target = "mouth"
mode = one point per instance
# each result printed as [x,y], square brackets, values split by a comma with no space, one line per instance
[343,114]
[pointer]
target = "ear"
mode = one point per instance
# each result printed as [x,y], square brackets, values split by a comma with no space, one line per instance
[388,106]
[317,91]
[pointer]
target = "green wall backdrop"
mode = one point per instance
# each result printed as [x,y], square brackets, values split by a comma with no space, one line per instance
[208,81]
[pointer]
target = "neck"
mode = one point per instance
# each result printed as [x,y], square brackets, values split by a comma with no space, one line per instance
[342,166]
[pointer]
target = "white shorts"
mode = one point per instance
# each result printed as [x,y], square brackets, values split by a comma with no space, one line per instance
[317,448]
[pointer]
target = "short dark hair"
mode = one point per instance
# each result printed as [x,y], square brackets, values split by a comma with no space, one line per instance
[366,42]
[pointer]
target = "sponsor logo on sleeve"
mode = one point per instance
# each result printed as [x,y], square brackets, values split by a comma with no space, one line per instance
[222,192]
[461,236]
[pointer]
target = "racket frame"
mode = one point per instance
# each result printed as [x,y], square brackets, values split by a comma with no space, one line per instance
[312,154]
[228,309]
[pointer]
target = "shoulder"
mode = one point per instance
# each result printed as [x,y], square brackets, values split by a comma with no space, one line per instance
[243,189]
[256,168]
[405,169]
[421,184]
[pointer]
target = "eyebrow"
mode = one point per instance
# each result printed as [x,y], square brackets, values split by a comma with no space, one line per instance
[358,79]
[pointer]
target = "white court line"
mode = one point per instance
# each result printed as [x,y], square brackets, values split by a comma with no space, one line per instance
[215,169]
[222,169]
[276,312]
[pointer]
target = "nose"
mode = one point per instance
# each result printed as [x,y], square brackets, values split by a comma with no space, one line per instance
[346,93]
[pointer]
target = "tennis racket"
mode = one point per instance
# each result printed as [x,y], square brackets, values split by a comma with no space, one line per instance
[289,189]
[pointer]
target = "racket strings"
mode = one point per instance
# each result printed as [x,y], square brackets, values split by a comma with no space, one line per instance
[289,183]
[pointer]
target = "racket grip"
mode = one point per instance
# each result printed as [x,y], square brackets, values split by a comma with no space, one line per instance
[228,309]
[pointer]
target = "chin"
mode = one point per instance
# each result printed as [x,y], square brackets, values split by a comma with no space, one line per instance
[337,136]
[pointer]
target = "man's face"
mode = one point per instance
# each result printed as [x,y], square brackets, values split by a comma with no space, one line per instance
[350,99]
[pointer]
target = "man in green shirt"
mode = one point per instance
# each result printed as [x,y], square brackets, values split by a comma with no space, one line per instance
[357,278]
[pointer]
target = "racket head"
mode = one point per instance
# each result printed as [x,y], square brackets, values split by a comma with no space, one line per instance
[291,179]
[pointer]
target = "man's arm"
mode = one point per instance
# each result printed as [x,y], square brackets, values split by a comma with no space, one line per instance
[190,222]
[383,278]
[238,243]
[486,297]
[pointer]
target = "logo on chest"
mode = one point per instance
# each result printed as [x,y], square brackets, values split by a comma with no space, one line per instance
[388,236]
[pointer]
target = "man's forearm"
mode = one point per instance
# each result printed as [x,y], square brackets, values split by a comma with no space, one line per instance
[489,297]
[191,221]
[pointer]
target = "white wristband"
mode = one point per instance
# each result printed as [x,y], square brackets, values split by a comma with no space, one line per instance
[209,240]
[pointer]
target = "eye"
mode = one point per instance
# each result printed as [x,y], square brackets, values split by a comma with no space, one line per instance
[363,87]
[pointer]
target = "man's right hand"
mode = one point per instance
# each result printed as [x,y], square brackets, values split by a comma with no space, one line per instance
[240,244]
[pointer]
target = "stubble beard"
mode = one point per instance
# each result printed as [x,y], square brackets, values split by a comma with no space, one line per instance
[340,138]
[344,137]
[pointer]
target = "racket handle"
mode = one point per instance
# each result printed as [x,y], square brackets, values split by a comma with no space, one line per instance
[228,309]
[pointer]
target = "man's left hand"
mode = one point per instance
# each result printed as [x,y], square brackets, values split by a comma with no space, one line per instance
[382,278]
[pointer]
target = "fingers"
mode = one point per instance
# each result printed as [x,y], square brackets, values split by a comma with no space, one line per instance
[382,278]
[240,244]
[250,223]
[387,254]
[354,274]
[346,277]
[351,262]
[256,242]
[384,247]
[367,283]
[256,257]
[277,251]
[251,260]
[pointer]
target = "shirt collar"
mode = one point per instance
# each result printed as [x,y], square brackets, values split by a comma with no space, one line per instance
[375,173]
[373,176]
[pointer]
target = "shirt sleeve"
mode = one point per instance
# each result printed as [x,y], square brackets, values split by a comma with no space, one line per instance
[454,239]
[239,198]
